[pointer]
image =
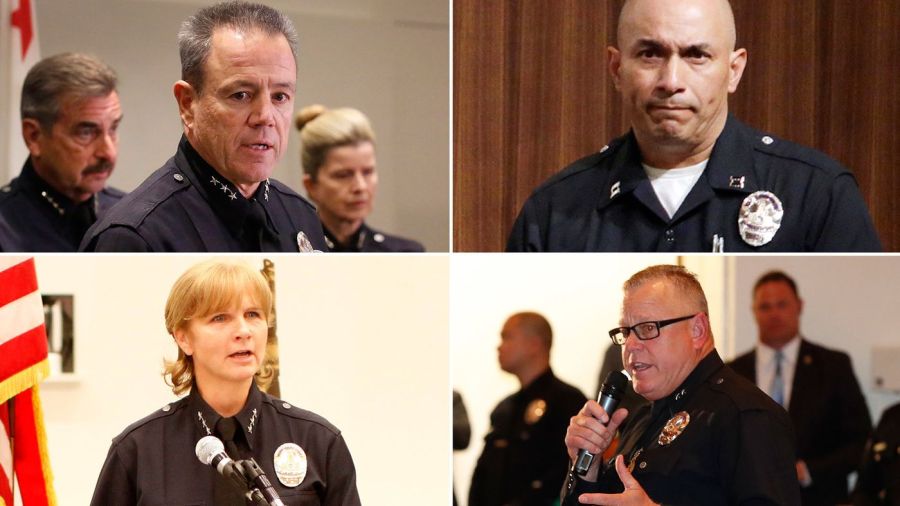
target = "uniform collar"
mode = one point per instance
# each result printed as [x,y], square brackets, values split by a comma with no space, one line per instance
[205,417]
[730,169]
[354,243]
[674,401]
[223,196]
[36,187]
[539,383]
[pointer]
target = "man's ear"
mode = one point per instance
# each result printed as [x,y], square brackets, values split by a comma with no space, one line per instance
[699,330]
[614,61]
[736,65]
[32,135]
[185,96]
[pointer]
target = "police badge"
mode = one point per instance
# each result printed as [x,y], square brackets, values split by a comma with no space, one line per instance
[535,411]
[290,464]
[303,243]
[674,427]
[760,218]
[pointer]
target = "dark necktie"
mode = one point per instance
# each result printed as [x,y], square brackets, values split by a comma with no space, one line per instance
[225,493]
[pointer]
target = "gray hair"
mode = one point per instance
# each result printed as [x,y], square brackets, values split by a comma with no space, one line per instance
[195,36]
[80,75]
[679,277]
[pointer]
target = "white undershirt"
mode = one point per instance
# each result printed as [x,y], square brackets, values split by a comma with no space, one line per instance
[673,185]
[765,367]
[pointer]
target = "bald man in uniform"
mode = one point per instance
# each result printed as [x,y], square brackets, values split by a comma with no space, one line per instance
[689,176]
[524,458]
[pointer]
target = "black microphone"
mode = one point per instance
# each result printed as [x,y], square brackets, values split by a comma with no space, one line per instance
[610,394]
[257,477]
[211,452]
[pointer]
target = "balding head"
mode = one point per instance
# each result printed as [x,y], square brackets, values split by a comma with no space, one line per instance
[533,324]
[675,65]
[717,13]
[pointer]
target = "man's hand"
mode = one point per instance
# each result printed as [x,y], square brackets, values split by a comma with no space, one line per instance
[633,495]
[586,431]
[803,475]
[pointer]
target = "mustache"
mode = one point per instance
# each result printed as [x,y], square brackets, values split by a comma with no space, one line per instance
[103,166]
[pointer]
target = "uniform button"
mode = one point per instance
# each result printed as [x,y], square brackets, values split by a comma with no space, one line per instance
[670,235]
[767,140]
[378,238]
[166,408]
[286,405]
[643,465]
[536,484]
[720,381]
[178,177]
[604,148]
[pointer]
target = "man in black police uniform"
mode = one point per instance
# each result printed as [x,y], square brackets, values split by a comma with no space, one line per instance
[70,115]
[698,441]
[878,481]
[236,97]
[523,462]
[689,176]
[815,384]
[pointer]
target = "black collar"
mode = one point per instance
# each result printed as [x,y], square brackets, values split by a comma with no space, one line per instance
[354,243]
[35,187]
[244,218]
[704,369]
[205,417]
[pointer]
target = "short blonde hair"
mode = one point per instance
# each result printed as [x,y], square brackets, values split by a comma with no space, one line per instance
[684,280]
[322,129]
[203,289]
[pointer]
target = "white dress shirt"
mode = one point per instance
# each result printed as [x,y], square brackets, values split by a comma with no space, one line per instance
[765,367]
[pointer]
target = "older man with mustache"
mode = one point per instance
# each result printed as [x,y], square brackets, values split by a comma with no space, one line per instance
[70,117]
[689,176]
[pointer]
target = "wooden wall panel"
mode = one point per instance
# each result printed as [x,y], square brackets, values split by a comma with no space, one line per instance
[532,94]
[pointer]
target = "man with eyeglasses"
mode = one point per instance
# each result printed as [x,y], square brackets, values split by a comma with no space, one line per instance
[815,384]
[708,436]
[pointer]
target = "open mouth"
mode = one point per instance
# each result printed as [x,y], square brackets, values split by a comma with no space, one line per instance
[639,367]
[242,354]
[259,146]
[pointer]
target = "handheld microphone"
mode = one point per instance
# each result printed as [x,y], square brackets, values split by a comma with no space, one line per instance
[610,394]
[257,477]
[211,452]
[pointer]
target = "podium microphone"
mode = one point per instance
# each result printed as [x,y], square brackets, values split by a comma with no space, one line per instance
[257,477]
[211,452]
[610,394]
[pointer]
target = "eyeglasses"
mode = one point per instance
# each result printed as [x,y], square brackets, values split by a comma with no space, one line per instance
[644,330]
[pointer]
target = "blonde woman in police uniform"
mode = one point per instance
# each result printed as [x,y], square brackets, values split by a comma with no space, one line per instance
[219,313]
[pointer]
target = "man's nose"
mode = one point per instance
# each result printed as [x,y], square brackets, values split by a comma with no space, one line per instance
[263,113]
[669,80]
[107,146]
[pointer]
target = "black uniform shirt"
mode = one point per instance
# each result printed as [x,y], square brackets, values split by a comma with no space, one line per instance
[605,202]
[152,463]
[736,449]
[369,240]
[187,206]
[878,481]
[34,217]
[524,457]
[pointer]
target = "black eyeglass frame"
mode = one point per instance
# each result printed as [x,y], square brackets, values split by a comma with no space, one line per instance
[626,331]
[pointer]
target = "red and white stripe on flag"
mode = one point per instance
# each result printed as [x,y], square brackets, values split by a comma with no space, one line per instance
[19,35]
[23,364]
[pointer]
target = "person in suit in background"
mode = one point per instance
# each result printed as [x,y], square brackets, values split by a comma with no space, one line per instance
[338,157]
[524,458]
[70,120]
[815,384]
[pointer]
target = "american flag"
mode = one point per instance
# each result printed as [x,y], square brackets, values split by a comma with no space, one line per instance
[19,40]
[23,364]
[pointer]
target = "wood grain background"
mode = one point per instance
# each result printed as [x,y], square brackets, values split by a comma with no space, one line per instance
[531,94]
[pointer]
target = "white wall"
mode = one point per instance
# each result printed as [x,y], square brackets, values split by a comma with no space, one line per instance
[850,304]
[363,343]
[580,295]
[388,58]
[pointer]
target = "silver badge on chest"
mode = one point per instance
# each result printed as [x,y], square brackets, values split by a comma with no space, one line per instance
[304,245]
[290,464]
[760,218]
